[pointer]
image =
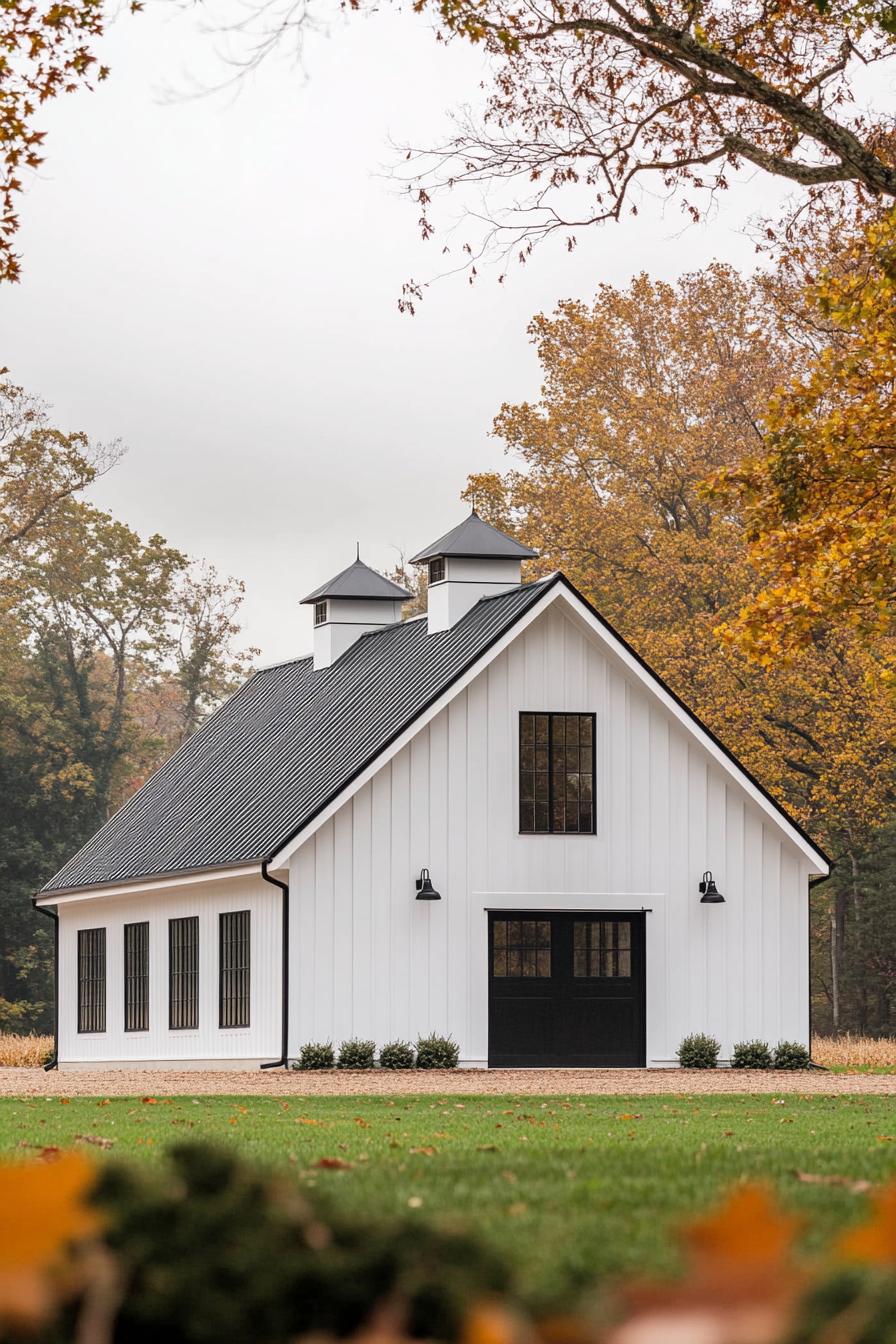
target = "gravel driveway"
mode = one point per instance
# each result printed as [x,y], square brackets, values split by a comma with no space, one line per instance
[460,1082]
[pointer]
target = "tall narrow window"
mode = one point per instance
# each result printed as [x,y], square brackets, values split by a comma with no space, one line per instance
[136,977]
[91,980]
[234,964]
[320,613]
[183,973]
[436,570]
[557,773]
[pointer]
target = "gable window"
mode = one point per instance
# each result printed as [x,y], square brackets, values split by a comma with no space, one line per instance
[91,980]
[437,570]
[557,774]
[183,973]
[320,613]
[136,977]
[233,943]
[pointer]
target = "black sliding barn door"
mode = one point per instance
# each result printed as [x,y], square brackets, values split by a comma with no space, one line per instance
[566,990]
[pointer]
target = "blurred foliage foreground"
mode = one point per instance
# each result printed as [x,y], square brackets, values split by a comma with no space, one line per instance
[207,1248]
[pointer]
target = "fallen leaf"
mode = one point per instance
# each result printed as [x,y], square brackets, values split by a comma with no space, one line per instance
[332,1164]
[424,1152]
[96,1139]
[857,1187]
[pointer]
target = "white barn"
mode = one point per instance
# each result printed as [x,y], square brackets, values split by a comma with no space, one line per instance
[275,881]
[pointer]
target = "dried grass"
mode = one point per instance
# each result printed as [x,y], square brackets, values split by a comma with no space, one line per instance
[24,1052]
[854,1052]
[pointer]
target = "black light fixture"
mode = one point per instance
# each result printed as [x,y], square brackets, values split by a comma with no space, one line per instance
[425,889]
[709,892]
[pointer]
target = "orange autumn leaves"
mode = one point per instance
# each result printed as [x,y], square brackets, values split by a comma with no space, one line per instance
[43,1209]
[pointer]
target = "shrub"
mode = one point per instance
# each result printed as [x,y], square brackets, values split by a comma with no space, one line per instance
[24,1052]
[316,1055]
[355,1054]
[699,1051]
[751,1055]
[437,1052]
[212,1252]
[397,1055]
[791,1055]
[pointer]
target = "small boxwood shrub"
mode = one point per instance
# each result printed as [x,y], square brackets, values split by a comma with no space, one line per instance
[698,1051]
[397,1055]
[316,1055]
[355,1054]
[437,1052]
[791,1055]
[751,1055]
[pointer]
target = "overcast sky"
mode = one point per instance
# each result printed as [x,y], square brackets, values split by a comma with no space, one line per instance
[215,280]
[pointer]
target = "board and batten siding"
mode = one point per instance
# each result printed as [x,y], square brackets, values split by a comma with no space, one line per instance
[209,1044]
[369,960]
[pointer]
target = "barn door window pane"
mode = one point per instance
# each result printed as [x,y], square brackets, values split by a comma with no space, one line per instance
[557,774]
[91,980]
[136,977]
[602,949]
[521,948]
[183,973]
[234,969]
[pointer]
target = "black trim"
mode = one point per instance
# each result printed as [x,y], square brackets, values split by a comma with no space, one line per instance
[548,585]
[193,1002]
[92,988]
[283,1061]
[136,1009]
[53,913]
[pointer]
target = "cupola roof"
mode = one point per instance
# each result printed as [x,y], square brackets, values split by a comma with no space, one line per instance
[475,539]
[362,583]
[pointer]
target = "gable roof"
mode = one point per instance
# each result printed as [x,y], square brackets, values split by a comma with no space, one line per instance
[475,539]
[291,743]
[289,740]
[359,581]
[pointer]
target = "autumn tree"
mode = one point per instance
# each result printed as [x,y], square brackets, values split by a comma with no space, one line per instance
[112,649]
[820,495]
[647,393]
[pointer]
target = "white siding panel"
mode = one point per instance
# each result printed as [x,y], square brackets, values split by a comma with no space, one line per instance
[385,965]
[260,1040]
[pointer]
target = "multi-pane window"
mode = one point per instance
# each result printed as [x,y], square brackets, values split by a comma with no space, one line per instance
[436,570]
[602,949]
[557,773]
[91,979]
[136,977]
[320,613]
[183,973]
[521,947]
[234,968]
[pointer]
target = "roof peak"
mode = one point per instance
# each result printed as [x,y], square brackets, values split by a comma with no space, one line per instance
[360,582]
[474,538]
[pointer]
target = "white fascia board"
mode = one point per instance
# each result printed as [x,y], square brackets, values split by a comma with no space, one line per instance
[140,887]
[559,592]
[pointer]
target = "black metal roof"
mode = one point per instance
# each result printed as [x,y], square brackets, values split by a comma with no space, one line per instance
[287,743]
[360,581]
[475,539]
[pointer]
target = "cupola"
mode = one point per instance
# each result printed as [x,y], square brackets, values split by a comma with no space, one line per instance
[472,561]
[351,605]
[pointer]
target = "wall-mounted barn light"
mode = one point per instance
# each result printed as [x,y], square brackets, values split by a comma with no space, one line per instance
[425,889]
[709,892]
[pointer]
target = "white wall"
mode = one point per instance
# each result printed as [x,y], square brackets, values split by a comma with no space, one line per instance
[260,1040]
[369,960]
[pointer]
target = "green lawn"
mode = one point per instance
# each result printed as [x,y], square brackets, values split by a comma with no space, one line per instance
[569,1189]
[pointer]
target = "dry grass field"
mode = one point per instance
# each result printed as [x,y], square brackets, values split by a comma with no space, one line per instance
[23,1052]
[854,1052]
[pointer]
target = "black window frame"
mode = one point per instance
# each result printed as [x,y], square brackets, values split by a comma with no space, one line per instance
[176,949]
[136,976]
[436,570]
[551,716]
[234,977]
[92,957]
[320,613]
